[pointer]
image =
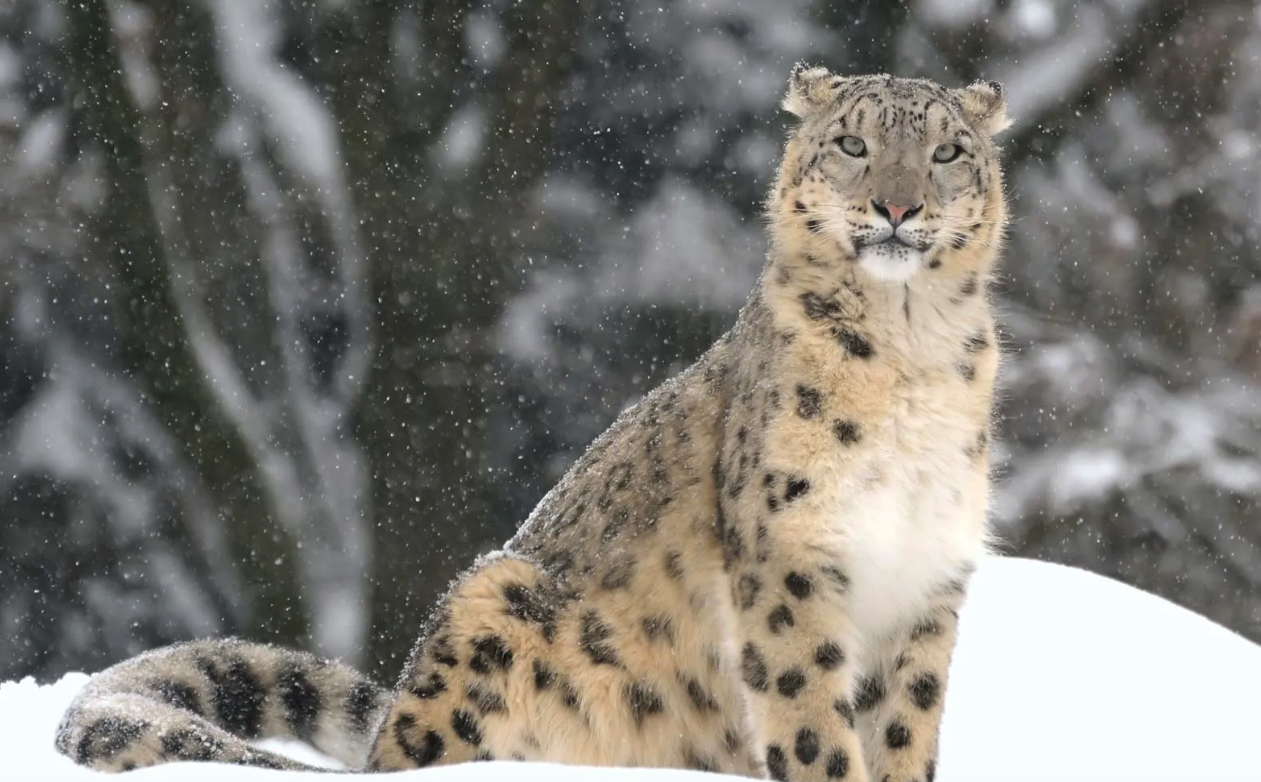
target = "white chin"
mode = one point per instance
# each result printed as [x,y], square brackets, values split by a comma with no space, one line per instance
[890,262]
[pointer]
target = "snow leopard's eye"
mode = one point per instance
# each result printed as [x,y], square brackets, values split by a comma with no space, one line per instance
[945,153]
[852,146]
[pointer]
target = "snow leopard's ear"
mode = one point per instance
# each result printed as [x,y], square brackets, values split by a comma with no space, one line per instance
[809,89]
[984,106]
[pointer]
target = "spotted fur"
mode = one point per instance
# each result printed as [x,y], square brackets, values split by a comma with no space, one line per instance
[757,569]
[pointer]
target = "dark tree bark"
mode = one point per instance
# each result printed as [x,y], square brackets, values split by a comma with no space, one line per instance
[152,348]
[441,254]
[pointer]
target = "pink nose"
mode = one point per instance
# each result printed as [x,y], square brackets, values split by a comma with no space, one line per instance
[896,212]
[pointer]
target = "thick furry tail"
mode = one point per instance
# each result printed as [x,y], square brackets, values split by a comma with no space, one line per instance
[204,700]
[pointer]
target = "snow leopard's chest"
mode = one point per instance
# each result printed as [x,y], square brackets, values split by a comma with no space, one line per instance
[911,514]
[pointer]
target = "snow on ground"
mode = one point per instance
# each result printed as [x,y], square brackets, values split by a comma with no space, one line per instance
[1059,675]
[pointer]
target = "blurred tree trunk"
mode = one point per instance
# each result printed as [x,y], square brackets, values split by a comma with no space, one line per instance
[441,255]
[153,349]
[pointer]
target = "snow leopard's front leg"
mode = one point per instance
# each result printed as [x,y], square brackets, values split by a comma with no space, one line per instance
[795,646]
[899,700]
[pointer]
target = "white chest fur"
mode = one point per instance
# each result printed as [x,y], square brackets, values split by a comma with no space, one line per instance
[910,513]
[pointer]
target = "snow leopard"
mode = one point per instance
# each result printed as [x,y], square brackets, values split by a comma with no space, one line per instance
[757,569]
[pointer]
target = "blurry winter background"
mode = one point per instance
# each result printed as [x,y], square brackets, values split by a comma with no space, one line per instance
[304,303]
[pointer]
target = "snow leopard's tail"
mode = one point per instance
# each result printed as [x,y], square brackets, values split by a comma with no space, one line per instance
[204,700]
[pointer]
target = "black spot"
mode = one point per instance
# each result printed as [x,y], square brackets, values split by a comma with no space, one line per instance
[809,402]
[930,771]
[594,638]
[731,740]
[838,764]
[558,563]
[618,576]
[777,763]
[694,760]
[179,695]
[483,756]
[361,705]
[733,546]
[674,565]
[528,605]
[846,711]
[569,696]
[854,343]
[870,691]
[747,589]
[443,652]
[489,652]
[976,343]
[836,577]
[106,737]
[616,524]
[925,627]
[970,285]
[818,308]
[934,263]
[763,542]
[967,372]
[701,698]
[544,677]
[846,431]
[814,225]
[796,487]
[897,736]
[900,661]
[566,518]
[643,701]
[772,502]
[424,753]
[237,696]
[790,682]
[925,691]
[485,699]
[753,669]
[828,656]
[427,686]
[981,445]
[658,627]
[807,746]
[798,586]
[301,699]
[187,743]
[604,501]
[620,475]
[780,618]
[466,728]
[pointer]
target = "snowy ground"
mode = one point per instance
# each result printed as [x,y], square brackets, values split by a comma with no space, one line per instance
[1060,675]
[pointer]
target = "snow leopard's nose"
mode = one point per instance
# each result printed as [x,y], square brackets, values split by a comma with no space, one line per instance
[896,214]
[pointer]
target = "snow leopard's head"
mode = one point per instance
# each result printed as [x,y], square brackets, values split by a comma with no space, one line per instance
[897,175]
